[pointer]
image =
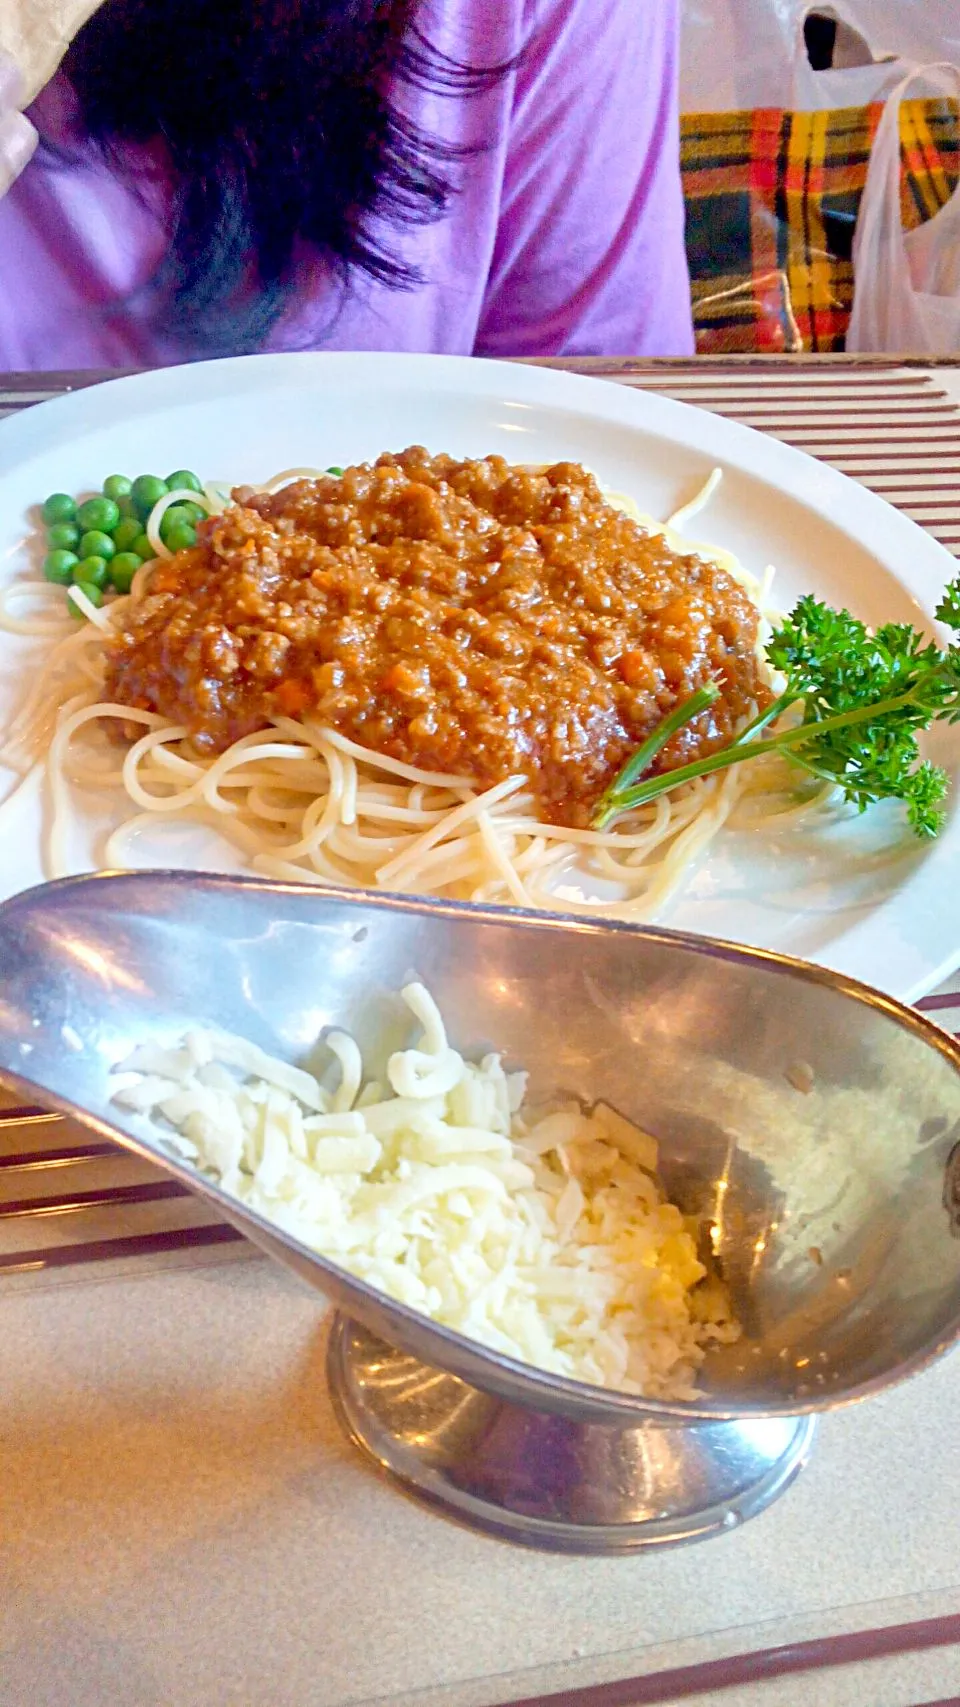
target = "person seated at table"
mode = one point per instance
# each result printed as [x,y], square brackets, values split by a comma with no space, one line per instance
[495,177]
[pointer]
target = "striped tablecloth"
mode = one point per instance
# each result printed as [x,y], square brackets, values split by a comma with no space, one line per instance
[71,1206]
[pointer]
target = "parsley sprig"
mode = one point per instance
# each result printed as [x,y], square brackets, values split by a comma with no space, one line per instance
[862,697]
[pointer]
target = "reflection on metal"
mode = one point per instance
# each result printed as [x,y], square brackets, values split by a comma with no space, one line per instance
[951,1189]
[102,965]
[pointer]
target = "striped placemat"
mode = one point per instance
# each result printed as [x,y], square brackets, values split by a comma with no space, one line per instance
[71,1205]
[892,428]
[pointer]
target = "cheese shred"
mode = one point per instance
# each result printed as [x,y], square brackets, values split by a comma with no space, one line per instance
[541,1234]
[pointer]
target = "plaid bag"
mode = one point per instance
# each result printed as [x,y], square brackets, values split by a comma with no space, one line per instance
[772,200]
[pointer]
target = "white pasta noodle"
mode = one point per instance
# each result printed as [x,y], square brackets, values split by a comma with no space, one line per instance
[678,521]
[44,613]
[287,476]
[301,801]
[547,1239]
[100,618]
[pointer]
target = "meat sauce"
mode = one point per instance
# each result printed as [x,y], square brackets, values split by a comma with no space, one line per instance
[466,617]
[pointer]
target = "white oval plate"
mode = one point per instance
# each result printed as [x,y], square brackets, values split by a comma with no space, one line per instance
[861,896]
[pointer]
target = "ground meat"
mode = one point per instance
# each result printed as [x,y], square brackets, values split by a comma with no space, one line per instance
[466,617]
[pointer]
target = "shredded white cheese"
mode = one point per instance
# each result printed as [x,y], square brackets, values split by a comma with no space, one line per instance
[549,1241]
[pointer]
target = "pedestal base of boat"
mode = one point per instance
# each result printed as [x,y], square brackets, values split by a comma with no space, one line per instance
[548,1482]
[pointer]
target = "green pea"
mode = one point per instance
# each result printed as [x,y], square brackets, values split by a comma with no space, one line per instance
[126,531]
[63,536]
[123,567]
[128,510]
[141,545]
[178,516]
[181,537]
[98,514]
[183,481]
[96,544]
[59,507]
[117,486]
[90,591]
[146,491]
[91,572]
[58,567]
[337,471]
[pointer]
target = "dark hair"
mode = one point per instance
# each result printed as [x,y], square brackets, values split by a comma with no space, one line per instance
[285,138]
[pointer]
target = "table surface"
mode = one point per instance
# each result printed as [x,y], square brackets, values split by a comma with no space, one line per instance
[183,1524]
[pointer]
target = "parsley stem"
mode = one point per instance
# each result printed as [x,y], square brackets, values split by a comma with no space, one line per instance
[628,799]
[645,754]
[773,711]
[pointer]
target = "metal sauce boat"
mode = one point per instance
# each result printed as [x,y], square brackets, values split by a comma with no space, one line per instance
[815,1125]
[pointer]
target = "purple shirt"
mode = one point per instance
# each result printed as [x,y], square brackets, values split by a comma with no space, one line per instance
[565,239]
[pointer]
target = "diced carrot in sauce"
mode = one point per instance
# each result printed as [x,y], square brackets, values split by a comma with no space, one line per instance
[634,666]
[402,679]
[291,697]
[166,579]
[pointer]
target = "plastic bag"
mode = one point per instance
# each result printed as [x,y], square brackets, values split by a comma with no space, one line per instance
[906,283]
[742,54]
[775,156]
[772,201]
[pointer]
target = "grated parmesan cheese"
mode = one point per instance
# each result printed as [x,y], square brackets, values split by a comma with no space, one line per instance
[547,1239]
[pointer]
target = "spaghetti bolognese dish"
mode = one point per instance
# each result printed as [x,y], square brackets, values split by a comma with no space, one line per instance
[421,674]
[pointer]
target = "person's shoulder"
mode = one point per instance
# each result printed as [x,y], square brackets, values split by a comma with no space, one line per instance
[596,21]
[490,32]
[589,12]
[473,32]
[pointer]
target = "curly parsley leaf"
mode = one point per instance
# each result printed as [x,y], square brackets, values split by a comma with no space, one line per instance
[948,610]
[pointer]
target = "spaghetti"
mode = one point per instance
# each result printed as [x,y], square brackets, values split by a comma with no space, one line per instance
[302,800]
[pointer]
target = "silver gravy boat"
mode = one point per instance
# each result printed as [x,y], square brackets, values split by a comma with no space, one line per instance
[814,1125]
